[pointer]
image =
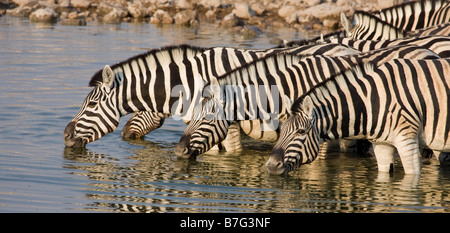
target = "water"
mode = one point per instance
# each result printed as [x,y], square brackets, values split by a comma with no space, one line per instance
[44,73]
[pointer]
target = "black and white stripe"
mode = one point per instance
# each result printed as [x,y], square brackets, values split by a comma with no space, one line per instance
[256,92]
[438,44]
[415,15]
[160,81]
[368,27]
[400,105]
[142,123]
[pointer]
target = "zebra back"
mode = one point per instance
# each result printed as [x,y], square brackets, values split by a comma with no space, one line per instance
[416,14]
[369,27]
[437,30]
[438,44]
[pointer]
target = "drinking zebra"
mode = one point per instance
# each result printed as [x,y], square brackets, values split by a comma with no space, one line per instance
[400,105]
[162,81]
[255,92]
[142,123]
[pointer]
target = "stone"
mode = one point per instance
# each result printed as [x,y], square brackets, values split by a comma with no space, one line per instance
[24,2]
[185,18]
[243,11]
[137,10]
[231,20]
[115,16]
[161,17]
[21,11]
[80,4]
[72,15]
[183,4]
[43,15]
[211,3]
[258,8]
[286,11]
[330,23]
[321,12]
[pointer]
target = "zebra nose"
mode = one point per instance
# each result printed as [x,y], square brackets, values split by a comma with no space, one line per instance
[275,166]
[182,149]
[70,139]
[68,132]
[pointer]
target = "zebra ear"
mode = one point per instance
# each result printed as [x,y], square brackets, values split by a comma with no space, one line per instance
[108,76]
[307,106]
[346,23]
[288,103]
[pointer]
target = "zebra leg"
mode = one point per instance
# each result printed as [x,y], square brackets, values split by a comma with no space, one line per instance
[409,152]
[233,140]
[384,153]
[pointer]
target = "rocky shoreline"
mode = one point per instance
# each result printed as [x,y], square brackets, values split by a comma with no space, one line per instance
[246,16]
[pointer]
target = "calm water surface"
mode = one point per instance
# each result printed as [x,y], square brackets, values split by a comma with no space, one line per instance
[44,74]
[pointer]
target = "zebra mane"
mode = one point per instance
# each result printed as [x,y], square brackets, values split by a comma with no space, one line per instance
[272,58]
[316,40]
[97,77]
[353,71]
[416,5]
[365,15]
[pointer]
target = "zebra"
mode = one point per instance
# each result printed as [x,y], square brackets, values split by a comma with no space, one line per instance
[437,30]
[438,44]
[415,15]
[369,27]
[142,123]
[164,80]
[399,105]
[254,91]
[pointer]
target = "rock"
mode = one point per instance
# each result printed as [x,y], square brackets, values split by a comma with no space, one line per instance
[321,12]
[72,15]
[183,4]
[330,23]
[286,11]
[250,32]
[258,8]
[21,11]
[74,22]
[231,20]
[161,17]
[114,16]
[186,18]
[44,15]
[288,14]
[243,11]
[80,4]
[24,2]
[137,10]
[211,3]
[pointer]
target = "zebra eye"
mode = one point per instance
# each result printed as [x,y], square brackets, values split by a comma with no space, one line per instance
[92,104]
[301,131]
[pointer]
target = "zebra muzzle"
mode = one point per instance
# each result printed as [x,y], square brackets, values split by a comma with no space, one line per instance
[276,167]
[69,137]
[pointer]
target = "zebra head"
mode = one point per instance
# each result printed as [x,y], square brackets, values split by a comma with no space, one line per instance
[298,142]
[207,128]
[97,116]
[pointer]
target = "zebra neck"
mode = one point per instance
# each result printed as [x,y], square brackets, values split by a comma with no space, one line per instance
[339,116]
